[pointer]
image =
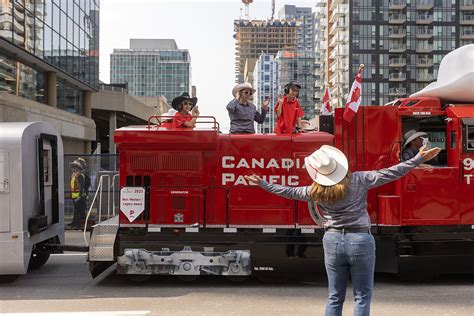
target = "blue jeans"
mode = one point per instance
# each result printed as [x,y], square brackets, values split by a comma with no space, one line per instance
[349,254]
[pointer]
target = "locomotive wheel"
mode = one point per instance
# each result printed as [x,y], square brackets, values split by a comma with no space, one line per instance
[188,278]
[138,278]
[38,258]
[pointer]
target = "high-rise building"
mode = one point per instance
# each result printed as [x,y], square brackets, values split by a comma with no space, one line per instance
[265,80]
[306,38]
[49,65]
[402,43]
[256,37]
[298,66]
[152,67]
[320,53]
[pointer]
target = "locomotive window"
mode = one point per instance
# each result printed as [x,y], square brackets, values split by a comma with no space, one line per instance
[470,138]
[453,139]
[468,134]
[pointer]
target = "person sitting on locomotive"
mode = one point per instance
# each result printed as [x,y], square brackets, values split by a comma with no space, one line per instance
[342,196]
[242,112]
[167,121]
[288,110]
[186,107]
[412,142]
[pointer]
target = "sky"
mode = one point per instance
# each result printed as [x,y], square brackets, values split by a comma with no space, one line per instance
[203,27]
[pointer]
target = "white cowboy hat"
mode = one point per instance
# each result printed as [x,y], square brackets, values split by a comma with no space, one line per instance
[240,87]
[410,136]
[455,80]
[327,165]
[171,112]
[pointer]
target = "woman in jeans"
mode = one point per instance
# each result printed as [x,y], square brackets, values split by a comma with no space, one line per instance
[349,247]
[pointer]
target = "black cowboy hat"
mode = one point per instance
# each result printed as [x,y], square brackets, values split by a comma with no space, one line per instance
[292,84]
[184,96]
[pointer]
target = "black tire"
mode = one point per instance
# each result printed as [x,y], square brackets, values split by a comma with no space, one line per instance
[8,278]
[38,258]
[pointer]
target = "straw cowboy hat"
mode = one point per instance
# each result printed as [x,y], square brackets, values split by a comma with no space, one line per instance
[240,87]
[455,80]
[327,165]
[411,135]
[76,164]
[184,96]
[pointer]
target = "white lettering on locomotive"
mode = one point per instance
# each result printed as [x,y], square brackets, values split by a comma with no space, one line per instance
[468,164]
[230,162]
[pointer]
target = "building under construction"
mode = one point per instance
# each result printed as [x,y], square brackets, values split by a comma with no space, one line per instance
[255,37]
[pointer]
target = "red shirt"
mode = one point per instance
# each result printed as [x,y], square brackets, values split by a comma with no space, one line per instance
[179,119]
[288,119]
[167,124]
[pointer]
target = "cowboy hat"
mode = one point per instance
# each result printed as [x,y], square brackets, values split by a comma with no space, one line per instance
[410,136]
[76,164]
[240,87]
[327,166]
[184,96]
[455,77]
[291,84]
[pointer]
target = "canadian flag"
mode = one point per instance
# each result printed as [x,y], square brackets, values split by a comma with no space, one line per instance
[355,98]
[326,105]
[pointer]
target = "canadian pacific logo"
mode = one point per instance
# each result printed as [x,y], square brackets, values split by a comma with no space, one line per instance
[255,164]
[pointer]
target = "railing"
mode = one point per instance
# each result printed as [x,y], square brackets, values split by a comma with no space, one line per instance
[397,91]
[216,125]
[467,17]
[424,61]
[424,17]
[98,192]
[427,47]
[397,76]
[467,3]
[397,32]
[397,17]
[397,61]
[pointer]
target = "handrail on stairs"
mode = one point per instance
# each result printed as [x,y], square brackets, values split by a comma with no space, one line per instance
[99,191]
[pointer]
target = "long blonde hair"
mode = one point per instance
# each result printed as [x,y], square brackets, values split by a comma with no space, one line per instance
[333,193]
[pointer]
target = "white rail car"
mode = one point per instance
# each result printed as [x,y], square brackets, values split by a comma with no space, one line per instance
[31,195]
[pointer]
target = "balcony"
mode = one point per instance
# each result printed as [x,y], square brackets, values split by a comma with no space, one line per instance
[467,33]
[397,18]
[397,91]
[399,76]
[397,33]
[322,25]
[424,4]
[467,19]
[424,18]
[424,33]
[397,48]
[338,12]
[424,62]
[426,48]
[397,62]
[397,4]
[467,5]
[424,77]
[340,24]
[338,52]
[337,39]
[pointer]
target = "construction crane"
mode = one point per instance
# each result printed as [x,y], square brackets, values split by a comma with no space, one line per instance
[273,8]
[247,3]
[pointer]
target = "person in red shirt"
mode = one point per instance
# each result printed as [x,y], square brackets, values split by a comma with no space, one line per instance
[187,111]
[288,111]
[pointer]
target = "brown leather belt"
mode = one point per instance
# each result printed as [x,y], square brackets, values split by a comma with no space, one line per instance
[344,230]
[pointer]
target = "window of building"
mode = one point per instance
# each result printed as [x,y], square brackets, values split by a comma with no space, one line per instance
[69,98]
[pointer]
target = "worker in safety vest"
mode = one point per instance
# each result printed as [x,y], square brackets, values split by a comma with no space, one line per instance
[78,195]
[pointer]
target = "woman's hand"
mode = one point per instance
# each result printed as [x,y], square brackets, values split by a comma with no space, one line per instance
[254,179]
[429,154]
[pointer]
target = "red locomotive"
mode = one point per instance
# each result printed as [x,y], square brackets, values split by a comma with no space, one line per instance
[188,210]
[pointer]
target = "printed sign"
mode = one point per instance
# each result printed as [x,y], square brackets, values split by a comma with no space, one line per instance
[132,202]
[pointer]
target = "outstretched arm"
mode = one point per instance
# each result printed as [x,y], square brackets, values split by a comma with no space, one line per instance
[292,193]
[372,179]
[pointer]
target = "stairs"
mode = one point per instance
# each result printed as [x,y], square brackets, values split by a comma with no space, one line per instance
[101,246]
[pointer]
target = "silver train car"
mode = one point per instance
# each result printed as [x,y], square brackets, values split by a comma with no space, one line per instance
[31,195]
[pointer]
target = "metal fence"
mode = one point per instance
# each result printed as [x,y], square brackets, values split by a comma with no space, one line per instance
[97,166]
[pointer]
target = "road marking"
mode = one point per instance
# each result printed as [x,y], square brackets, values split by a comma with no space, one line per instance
[105,313]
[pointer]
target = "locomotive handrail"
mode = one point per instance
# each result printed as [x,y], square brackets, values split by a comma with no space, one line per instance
[216,125]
